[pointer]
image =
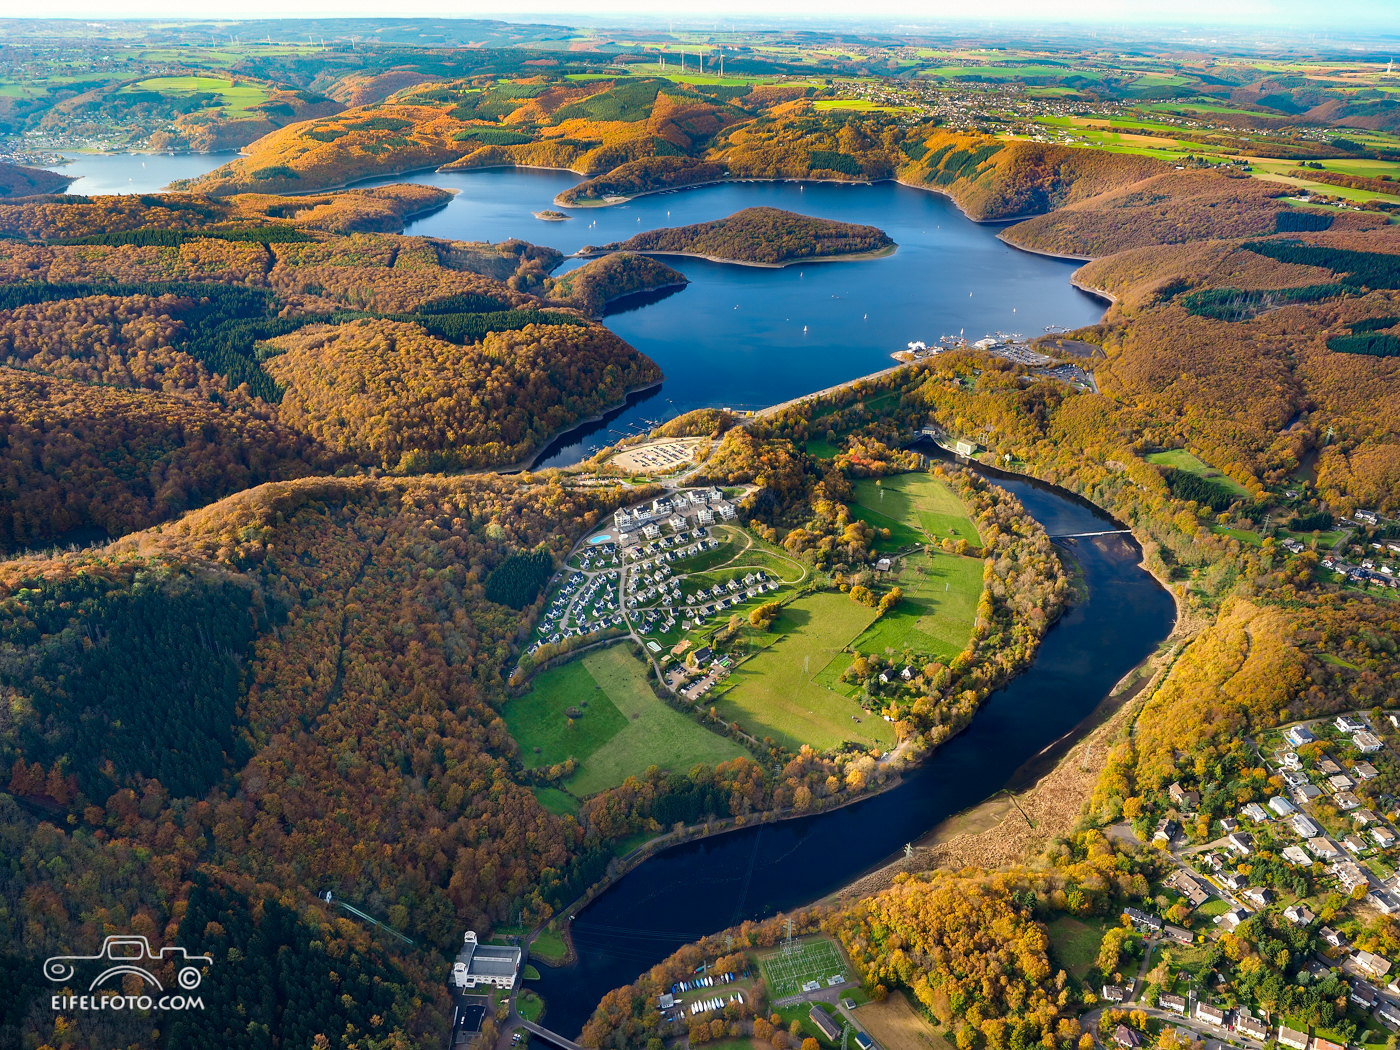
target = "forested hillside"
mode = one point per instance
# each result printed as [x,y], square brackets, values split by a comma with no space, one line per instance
[187,348]
[218,639]
[19,181]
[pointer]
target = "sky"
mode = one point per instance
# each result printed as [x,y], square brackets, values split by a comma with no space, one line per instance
[1345,17]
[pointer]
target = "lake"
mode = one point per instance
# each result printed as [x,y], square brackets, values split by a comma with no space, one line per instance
[740,336]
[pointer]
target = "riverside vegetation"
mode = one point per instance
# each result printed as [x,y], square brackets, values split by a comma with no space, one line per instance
[274,680]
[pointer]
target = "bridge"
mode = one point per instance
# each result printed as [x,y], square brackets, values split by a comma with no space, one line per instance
[545,1033]
[1083,535]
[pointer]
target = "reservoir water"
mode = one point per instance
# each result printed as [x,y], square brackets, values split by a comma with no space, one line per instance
[740,336]
[748,337]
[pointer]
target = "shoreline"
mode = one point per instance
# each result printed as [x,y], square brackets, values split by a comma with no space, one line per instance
[319,189]
[878,253]
[603,203]
[528,465]
[1041,251]
[1097,293]
[640,291]
[448,169]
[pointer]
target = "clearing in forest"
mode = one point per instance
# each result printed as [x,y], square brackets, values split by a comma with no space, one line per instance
[1182,460]
[1074,943]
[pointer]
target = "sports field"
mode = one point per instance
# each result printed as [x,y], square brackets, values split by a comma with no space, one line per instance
[916,508]
[814,960]
[624,728]
[939,607]
[775,694]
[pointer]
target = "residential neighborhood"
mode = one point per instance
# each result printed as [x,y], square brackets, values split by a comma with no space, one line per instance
[1305,870]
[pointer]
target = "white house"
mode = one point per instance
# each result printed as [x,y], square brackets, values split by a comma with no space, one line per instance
[1367,743]
[1305,828]
[1281,806]
[1298,736]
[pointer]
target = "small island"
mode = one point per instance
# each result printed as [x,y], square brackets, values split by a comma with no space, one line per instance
[761,237]
[550,215]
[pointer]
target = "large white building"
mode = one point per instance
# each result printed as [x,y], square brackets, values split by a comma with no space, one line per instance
[479,965]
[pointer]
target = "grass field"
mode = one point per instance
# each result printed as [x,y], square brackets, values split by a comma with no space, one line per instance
[775,694]
[1243,535]
[549,946]
[814,960]
[859,105]
[653,734]
[539,719]
[1075,943]
[530,1006]
[923,507]
[1180,459]
[235,97]
[560,803]
[821,448]
[938,610]
[624,728]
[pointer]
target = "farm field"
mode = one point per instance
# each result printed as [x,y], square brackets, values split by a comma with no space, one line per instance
[1180,459]
[812,960]
[1075,943]
[859,105]
[936,616]
[922,506]
[624,728]
[776,693]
